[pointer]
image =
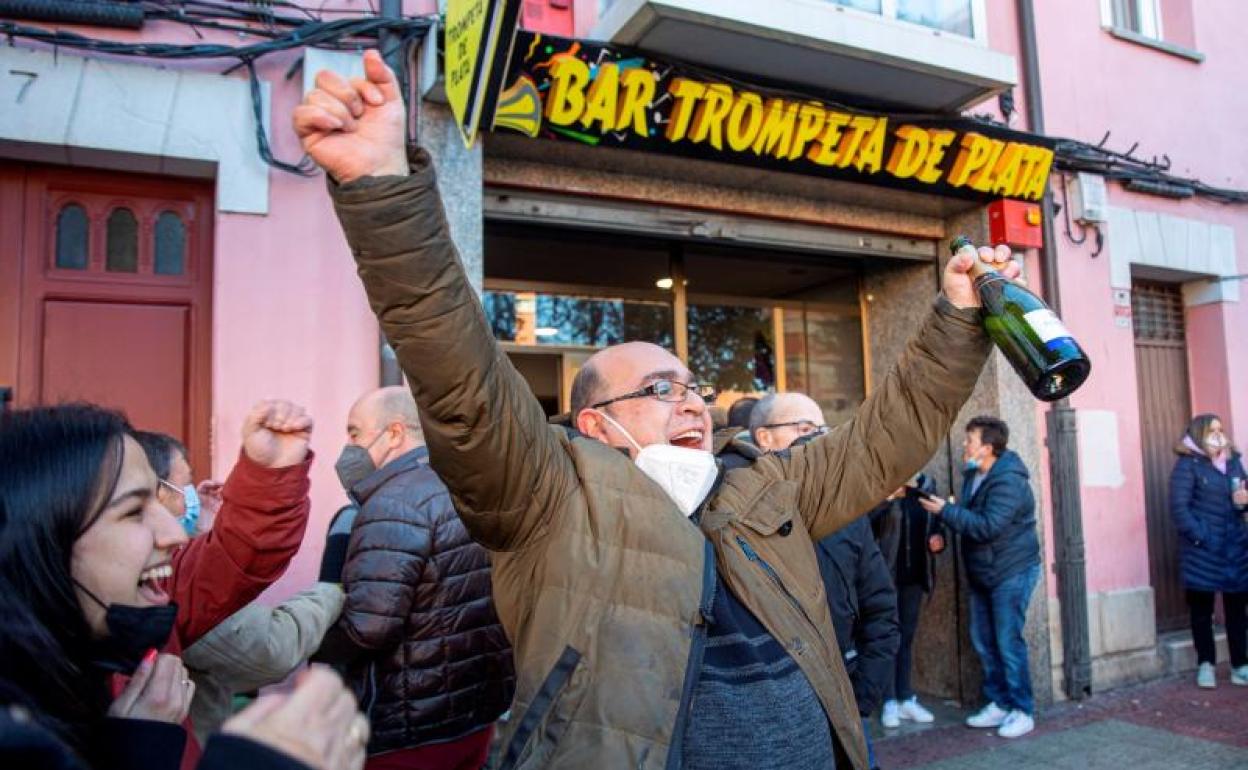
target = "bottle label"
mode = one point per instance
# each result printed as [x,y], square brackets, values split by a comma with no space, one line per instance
[1047,325]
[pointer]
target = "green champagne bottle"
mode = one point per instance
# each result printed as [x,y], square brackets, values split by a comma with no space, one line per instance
[1032,337]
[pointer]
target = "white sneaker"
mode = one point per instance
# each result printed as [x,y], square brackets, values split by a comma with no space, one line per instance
[991,715]
[1016,725]
[1205,677]
[1239,676]
[910,709]
[889,716]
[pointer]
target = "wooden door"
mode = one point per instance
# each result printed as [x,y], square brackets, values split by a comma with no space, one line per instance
[114,304]
[1165,410]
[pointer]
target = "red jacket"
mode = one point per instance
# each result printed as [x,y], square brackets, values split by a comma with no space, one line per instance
[256,533]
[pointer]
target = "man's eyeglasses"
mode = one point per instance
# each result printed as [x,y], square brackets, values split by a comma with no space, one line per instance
[670,391]
[804,427]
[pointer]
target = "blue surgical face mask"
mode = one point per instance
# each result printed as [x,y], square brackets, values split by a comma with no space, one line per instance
[971,464]
[190,495]
[191,518]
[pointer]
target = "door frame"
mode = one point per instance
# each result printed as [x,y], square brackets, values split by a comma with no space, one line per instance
[38,284]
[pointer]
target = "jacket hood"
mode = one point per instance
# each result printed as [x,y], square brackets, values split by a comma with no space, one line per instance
[1188,448]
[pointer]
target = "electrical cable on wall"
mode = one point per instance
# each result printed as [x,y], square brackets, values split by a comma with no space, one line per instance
[281,34]
[282,31]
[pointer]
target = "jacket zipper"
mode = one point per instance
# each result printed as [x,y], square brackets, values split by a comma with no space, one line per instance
[693,666]
[753,556]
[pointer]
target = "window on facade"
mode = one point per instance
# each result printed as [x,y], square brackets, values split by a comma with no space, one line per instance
[953,16]
[72,238]
[1168,21]
[122,242]
[870,6]
[757,320]
[733,347]
[170,244]
[824,359]
[530,318]
[1139,16]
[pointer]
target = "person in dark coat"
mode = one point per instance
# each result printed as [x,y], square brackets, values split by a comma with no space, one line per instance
[422,646]
[855,575]
[1209,501]
[864,610]
[908,537]
[997,521]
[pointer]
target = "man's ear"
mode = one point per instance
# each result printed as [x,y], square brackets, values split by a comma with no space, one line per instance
[590,423]
[762,439]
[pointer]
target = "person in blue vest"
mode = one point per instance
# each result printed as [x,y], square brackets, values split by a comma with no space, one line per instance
[1209,503]
[997,521]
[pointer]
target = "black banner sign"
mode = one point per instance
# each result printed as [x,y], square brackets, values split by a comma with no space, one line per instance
[595,94]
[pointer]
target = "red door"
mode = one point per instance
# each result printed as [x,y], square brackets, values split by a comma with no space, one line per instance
[114,295]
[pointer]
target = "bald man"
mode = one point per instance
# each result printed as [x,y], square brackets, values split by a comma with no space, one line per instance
[779,419]
[633,575]
[418,636]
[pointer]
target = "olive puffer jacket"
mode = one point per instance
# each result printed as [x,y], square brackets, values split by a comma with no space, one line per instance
[603,585]
[1213,536]
[418,600]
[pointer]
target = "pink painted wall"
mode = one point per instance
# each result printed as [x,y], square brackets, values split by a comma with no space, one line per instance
[289,318]
[1092,83]
[290,321]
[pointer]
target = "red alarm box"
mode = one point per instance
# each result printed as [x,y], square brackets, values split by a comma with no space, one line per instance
[1016,223]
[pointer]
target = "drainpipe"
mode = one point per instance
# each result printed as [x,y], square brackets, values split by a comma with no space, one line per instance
[1071,566]
[392,50]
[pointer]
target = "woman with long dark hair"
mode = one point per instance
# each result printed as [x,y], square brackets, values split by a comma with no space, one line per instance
[85,553]
[1208,500]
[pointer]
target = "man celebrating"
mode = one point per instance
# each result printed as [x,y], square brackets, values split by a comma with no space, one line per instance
[619,548]
[997,521]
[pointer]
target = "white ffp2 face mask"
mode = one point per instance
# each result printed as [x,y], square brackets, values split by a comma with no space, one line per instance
[686,475]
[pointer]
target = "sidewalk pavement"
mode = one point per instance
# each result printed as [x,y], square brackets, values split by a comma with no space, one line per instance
[1165,724]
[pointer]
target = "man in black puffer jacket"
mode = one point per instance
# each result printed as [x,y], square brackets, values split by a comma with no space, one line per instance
[422,646]
[997,522]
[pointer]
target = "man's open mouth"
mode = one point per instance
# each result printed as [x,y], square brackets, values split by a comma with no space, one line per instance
[690,439]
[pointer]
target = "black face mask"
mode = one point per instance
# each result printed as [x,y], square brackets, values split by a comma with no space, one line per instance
[132,631]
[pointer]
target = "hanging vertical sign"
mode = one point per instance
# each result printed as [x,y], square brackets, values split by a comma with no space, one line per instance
[479,35]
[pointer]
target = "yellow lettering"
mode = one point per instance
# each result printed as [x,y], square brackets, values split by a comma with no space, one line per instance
[823,153]
[639,85]
[744,121]
[909,153]
[568,78]
[603,99]
[1007,169]
[983,180]
[848,149]
[871,157]
[940,140]
[1039,180]
[810,120]
[974,154]
[708,119]
[776,134]
[686,93]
